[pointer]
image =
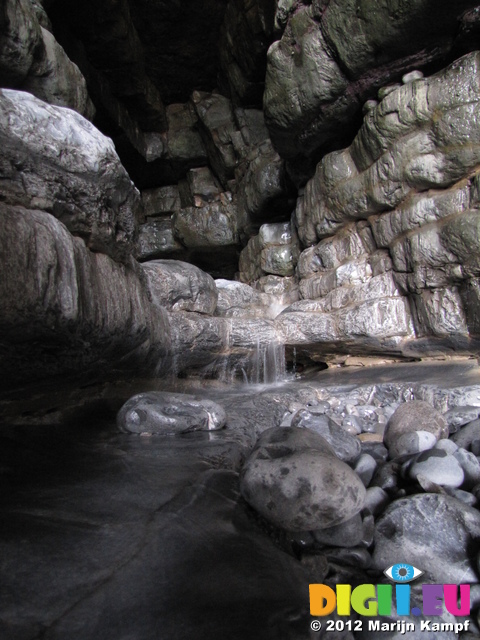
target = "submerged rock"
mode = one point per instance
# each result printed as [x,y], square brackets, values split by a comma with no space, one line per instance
[293,479]
[164,413]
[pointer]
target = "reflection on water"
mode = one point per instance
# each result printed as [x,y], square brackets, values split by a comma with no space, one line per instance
[113,536]
[110,536]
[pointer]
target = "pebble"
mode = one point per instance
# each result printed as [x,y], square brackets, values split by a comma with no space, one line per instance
[446,445]
[468,435]
[376,500]
[346,446]
[438,467]
[470,466]
[365,467]
[413,442]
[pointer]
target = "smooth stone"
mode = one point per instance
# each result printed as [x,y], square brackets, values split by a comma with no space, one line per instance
[413,442]
[436,533]
[387,476]
[438,467]
[180,286]
[464,496]
[376,500]
[446,445]
[346,446]
[365,467]
[294,480]
[352,425]
[410,417]
[467,435]
[376,450]
[163,413]
[470,465]
[412,76]
[460,416]
[347,534]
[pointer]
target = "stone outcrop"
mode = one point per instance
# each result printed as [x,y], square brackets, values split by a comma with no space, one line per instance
[77,309]
[334,56]
[390,226]
[273,251]
[179,286]
[56,161]
[32,60]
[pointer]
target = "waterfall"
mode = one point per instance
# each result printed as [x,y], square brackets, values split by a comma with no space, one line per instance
[265,364]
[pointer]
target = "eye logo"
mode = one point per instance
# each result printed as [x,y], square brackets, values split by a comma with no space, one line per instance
[403,573]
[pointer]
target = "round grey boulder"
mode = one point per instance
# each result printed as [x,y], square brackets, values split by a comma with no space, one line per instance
[411,417]
[164,413]
[435,533]
[346,446]
[294,480]
[468,435]
[439,467]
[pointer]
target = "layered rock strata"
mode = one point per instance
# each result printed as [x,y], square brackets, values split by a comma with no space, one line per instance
[334,56]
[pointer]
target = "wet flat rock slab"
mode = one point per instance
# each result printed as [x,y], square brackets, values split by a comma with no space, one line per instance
[106,535]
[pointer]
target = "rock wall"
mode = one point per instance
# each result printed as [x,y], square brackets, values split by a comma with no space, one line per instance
[375,254]
[390,227]
[335,55]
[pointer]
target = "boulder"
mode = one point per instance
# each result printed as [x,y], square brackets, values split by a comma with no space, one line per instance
[156,240]
[346,446]
[55,160]
[294,480]
[411,417]
[77,309]
[164,413]
[180,286]
[435,533]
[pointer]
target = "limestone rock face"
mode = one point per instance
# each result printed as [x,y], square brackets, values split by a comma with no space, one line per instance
[156,240]
[32,60]
[390,225]
[76,309]
[55,160]
[273,251]
[236,299]
[179,286]
[294,480]
[318,79]
[21,40]
[57,80]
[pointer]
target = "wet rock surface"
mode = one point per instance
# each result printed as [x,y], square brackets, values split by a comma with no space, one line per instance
[167,414]
[140,496]
[294,479]
[56,161]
